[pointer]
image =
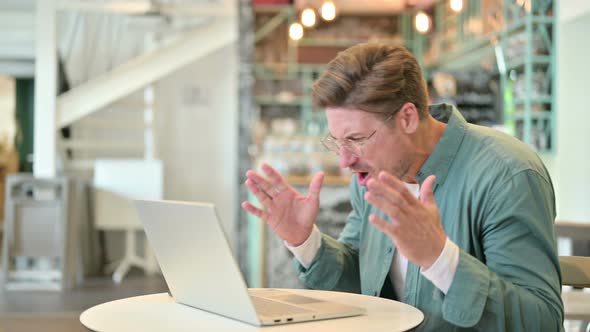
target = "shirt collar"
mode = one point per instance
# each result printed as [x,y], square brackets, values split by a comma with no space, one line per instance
[440,160]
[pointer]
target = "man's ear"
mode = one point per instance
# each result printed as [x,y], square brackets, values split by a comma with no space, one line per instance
[408,118]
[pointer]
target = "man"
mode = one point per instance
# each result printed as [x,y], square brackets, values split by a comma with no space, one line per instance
[452,218]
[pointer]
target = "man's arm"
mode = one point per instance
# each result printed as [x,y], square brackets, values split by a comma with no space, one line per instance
[518,286]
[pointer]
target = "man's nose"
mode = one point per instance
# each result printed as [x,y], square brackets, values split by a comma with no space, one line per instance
[347,158]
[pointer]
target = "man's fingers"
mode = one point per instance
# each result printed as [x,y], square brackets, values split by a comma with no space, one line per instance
[276,179]
[384,204]
[391,181]
[316,185]
[262,196]
[260,181]
[254,210]
[382,225]
[391,195]
[398,186]
[383,191]
[426,194]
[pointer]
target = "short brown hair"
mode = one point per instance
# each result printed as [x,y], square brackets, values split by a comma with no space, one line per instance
[372,77]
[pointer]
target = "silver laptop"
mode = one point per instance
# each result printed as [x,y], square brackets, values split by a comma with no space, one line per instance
[196,260]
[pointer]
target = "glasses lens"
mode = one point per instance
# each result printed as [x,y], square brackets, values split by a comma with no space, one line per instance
[334,146]
[331,144]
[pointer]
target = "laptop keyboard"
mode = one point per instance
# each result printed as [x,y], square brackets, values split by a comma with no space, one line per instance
[296,299]
[272,308]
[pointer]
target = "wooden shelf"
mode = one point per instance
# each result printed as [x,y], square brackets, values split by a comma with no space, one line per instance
[274,100]
[329,180]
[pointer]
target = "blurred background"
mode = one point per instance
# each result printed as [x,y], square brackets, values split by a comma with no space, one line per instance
[107,101]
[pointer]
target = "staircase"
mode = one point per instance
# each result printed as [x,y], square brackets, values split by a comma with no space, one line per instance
[112,60]
[120,130]
[98,44]
[112,67]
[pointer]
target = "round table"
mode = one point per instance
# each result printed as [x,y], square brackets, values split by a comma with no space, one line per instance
[159,312]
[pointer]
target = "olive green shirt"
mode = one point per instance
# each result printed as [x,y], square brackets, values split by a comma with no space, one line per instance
[497,204]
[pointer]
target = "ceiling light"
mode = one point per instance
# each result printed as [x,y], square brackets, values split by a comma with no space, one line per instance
[422,22]
[328,11]
[295,31]
[308,18]
[456,5]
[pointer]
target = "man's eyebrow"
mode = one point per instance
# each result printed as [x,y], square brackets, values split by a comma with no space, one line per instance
[349,136]
[355,135]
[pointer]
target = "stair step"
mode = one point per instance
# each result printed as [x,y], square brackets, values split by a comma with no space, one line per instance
[106,123]
[80,165]
[91,145]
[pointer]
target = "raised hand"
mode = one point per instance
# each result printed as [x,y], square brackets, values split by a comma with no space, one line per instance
[415,228]
[290,214]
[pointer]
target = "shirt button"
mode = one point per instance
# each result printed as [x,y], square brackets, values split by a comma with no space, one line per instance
[389,250]
[375,293]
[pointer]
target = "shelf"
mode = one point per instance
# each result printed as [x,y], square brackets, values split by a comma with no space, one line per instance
[280,66]
[275,100]
[534,116]
[320,42]
[285,72]
[536,60]
[481,47]
[522,23]
[474,99]
[329,180]
[340,42]
[267,76]
[546,99]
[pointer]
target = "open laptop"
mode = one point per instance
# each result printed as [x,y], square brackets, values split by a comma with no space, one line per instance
[196,260]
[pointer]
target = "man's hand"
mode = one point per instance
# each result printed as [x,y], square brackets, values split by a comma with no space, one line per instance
[290,214]
[415,229]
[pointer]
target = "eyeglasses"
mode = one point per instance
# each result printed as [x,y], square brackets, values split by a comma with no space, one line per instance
[354,146]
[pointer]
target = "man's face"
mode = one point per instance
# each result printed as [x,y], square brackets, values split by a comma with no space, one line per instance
[388,149]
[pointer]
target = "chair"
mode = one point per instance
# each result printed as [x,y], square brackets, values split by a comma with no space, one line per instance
[575,271]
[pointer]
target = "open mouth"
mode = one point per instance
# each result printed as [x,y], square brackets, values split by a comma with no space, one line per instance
[363,177]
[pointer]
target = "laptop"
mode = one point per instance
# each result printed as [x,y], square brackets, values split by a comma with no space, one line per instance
[200,270]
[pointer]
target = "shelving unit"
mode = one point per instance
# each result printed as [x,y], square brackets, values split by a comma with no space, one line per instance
[291,126]
[531,111]
[287,87]
[513,42]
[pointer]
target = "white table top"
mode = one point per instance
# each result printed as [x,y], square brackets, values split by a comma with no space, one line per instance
[159,312]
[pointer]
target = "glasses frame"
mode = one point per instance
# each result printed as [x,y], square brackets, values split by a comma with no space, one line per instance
[355,147]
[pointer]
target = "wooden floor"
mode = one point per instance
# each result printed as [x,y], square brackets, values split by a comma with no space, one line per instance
[23,311]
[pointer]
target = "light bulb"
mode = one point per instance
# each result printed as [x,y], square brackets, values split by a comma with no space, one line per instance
[457,5]
[308,17]
[328,11]
[422,22]
[295,31]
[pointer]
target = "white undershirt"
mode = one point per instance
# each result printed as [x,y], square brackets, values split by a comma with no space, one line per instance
[440,273]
